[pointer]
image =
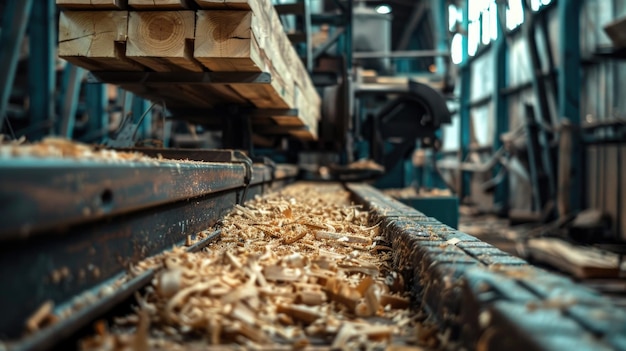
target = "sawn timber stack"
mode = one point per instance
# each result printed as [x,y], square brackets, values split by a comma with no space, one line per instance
[170,36]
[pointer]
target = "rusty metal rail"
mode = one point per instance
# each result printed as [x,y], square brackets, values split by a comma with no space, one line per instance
[70,228]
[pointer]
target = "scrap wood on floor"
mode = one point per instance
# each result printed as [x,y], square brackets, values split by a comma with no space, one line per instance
[577,260]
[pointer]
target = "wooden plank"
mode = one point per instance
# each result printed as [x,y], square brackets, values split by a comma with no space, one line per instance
[580,261]
[160,5]
[95,40]
[225,42]
[224,4]
[162,40]
[91,4]
[261,96]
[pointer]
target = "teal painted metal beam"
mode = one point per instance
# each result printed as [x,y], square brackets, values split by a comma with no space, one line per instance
[569,92]
[97,102]
[14,24]
[439,10]
[42,31]
[464,108]
[144,125]
[73,77]
[500,103]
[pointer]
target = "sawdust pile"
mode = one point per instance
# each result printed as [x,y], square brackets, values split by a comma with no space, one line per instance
[299,269]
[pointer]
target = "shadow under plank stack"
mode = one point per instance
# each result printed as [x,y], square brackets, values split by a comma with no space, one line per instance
[194,55]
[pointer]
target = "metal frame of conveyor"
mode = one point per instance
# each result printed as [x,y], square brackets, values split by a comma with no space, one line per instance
[483,297]
[92,220]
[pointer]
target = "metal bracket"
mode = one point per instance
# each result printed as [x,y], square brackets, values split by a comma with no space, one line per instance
[240,157]
[266,161]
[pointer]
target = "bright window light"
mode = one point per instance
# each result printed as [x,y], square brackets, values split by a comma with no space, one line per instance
[486,37]
[535,4]
[514,14]
[473,37]
[456,48]
[452,16]
[383,9]
[493,21]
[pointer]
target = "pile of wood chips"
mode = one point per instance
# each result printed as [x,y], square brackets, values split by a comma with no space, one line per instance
[298,269]
[61,148]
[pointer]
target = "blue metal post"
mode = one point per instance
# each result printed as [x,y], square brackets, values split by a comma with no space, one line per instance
[440,11]
[74,77]
[501,195]
[14,23]
[41,66]
[569,91]
[464,106]
[140,106]
[97,102]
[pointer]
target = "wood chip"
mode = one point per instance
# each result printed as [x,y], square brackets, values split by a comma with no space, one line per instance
[268,285]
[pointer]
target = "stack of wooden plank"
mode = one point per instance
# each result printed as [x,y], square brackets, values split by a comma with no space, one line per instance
[193,36]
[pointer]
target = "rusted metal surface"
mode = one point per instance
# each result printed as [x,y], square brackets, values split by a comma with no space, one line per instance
[37,196]
[69,250]
[490,300]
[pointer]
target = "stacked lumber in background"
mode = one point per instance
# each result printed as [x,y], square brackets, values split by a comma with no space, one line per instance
[193,36]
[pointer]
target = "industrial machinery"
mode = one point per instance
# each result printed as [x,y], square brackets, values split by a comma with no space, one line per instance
[98,235]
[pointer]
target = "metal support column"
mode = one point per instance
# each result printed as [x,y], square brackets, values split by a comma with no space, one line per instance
[98,118]
[308,32]
[14,23]
[440,12]
[73,80]
[546,167]
[42,31]
[569,92]
[500,104]
[464,107]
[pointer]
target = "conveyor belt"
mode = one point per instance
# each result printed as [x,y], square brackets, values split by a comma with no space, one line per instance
[485,298]
[490,299]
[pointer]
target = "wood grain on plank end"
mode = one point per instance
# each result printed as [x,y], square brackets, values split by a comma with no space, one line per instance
[95,40]
[162,40]
[225,41]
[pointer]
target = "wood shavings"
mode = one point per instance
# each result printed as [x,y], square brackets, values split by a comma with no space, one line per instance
[43,315]
[290,268]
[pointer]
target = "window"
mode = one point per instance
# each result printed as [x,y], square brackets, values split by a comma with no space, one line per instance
[456,49]
[537,4]
[515,14]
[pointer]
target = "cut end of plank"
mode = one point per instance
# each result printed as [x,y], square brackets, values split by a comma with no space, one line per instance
[91,33]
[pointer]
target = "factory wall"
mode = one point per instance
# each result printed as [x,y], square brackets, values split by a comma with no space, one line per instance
[603,98]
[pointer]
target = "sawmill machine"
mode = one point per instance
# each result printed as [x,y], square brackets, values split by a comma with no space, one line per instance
[105,247]
[369,112]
